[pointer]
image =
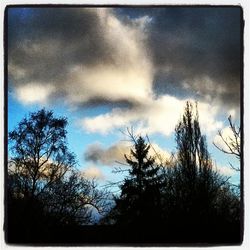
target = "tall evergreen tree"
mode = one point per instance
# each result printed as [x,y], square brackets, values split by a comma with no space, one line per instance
[140,191]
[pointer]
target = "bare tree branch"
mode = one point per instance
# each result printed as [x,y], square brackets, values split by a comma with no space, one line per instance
[232,145]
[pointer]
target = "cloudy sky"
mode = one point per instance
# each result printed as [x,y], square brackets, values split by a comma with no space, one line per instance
[108,69]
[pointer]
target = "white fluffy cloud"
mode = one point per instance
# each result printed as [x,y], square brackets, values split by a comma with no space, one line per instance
[93,172]
[154,116]
[34,93]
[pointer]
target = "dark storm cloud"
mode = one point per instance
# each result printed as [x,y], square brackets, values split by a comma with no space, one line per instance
[44,40]
[193,52]
[84,54]
[193,44]
[200,43]
[96,101]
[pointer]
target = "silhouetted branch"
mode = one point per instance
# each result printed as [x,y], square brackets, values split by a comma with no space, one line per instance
[232,145]
[119,170]
[157,154]
[122,163]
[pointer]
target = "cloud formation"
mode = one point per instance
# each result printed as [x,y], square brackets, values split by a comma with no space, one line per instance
[147,60]
[93,172]
[154,116]
[87,53]
[83,55]
[114,155]
[98,154]
[198,49]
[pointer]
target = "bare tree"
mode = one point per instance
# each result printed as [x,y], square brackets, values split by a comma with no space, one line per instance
[39,154]
[42,171]
[73,199]
[231,144]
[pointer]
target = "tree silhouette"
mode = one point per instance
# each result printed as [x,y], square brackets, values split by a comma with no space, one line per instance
[232,142]
[140,191]
[182,200]
[193,189]
[71,200]
[44,188]
[39,153]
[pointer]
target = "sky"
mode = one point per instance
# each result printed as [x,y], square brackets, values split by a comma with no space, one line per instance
[109,69]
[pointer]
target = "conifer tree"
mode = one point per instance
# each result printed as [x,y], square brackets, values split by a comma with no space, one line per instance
[140,193]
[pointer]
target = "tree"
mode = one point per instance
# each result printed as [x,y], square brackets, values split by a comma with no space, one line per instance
[184,199]
[193,158]
[193,189]
[231,143]
[72,199]
[140,193]
[39,153]
[44,187]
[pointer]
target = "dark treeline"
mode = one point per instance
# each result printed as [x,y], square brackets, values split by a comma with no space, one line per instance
[181,200]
